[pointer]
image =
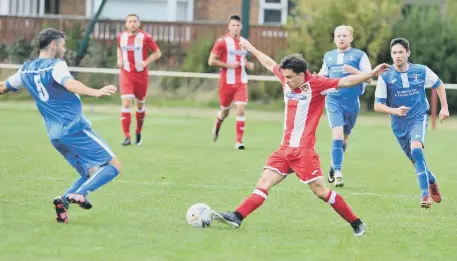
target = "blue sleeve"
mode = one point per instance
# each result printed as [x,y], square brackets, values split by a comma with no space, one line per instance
[14,83]
[434,86]
[381,91]
[10,87]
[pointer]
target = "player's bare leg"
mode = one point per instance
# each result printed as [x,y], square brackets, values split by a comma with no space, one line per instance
[97,178]
[240,123]
[338,204]
[140,114]
[268,179]
[335,173]
[126,119]
[221,115]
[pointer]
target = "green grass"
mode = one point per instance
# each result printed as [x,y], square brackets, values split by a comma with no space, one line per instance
[141,215]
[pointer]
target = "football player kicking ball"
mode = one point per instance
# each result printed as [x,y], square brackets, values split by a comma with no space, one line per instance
[304,98]
[56,93]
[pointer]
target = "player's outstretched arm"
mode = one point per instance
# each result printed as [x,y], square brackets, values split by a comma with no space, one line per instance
[61,75]
[13,83]
[351,80]
[264,59]
[80,88]
[3,88]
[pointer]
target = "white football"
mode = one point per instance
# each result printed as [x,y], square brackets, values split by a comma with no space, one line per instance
[199,215]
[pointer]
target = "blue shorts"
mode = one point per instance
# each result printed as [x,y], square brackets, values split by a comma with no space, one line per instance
[84,150]
[411,130]
[342,111]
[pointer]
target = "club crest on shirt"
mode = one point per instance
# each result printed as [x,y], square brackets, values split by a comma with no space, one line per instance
[305,87]
[415,78]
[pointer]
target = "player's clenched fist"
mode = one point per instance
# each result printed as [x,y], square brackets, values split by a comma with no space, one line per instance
[246,45]
[444,114]
[401,111]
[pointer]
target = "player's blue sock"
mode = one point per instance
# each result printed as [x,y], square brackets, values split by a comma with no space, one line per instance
[431,176]
[76,185]
[421,169]
[344,147]
[102,176]
[337,154]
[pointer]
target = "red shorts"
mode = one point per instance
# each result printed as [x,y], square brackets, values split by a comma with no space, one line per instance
[229,93]
[133,84]
[303,161]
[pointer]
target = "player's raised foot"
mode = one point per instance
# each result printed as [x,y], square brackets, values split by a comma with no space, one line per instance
[126,142]
[232,219]
[85,204]
[215,133]
[359,227]
[331,175]
[139,139]
[435,193]
[61,210]
[79,199]
[426,202]
[239,146]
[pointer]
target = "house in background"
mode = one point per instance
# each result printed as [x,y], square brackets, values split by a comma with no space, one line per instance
[263,12]
[176,24]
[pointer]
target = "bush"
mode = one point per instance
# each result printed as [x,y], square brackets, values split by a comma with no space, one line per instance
[20,51]
[195,61]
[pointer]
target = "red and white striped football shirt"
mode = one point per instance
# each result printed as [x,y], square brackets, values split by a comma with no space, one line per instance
[303,109]
[135,49]
[229,51]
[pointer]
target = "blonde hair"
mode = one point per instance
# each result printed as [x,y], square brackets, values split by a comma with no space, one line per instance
[347,27]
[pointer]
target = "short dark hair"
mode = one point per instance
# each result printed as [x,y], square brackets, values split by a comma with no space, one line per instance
[235,17]
[137,17]
[48,35]
[295,62]
[402,41]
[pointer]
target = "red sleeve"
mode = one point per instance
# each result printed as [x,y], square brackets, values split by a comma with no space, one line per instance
[278,74]
[219,47]
[323,84]
[151,44]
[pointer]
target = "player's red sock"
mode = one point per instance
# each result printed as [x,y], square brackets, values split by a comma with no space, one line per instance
[126,118]
[340,206]
[240,120]
[251,203]
[140,119]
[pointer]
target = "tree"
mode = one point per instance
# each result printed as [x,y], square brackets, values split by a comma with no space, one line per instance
[313,22]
